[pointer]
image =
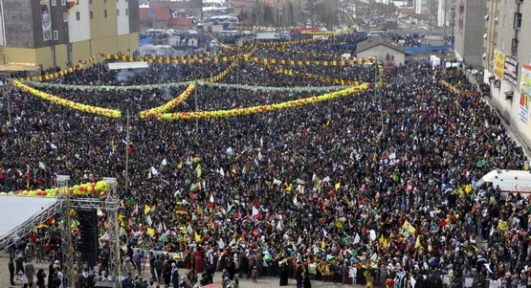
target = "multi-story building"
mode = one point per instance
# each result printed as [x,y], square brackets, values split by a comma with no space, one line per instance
[57,33]
[507,60]
[469,31]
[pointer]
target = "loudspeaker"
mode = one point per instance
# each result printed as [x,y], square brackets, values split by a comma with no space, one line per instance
[88,244]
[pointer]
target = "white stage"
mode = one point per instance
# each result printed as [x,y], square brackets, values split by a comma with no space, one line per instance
[16,210]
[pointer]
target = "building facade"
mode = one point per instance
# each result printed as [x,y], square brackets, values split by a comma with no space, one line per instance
[469,31]
[59,35]
[507,62]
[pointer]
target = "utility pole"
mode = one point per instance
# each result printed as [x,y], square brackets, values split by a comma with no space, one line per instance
[444,24]
[127,140]
[196,108]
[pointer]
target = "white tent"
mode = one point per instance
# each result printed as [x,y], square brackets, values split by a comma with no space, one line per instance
[127,65]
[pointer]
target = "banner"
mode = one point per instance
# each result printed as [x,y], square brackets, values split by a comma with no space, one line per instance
[525,95]
[46,20]
[525,80]
[499,64]
[510,70]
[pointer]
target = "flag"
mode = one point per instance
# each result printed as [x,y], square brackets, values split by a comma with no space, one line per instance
[340,224]
[383,241]
[337,186]
[356,239]
[135,210]
[198,170]
[113,147]
[180,166]
[150,231]
[417,242]
[147,209]
[42,166]
[198,210]
[408,227]
[148,220]
[154,171]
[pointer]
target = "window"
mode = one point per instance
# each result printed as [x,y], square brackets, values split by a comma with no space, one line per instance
[514,47]
[54,2]
[90,1]
[104,13]
[91,15]
[517,21]
[126,11]
[65,17]
[63,2]
[78,16]
[503,21]
[117,12]
[55,35]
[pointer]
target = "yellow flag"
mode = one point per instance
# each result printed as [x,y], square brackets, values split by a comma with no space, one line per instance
[408,227]
[197,238]
[337,186]
[468,189]
[323,244]
[180,166]
[198,170]
[147,209]
[150,231]
[417,242]
[503,225]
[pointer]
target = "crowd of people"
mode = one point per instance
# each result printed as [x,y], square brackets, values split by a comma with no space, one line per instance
[369,186]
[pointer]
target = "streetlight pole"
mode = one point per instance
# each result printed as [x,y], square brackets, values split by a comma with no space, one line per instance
[127,140]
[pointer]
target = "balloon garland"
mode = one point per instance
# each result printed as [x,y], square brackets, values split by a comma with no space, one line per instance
[263,108]
[85,88]
[110,113]
[170,105]
[94,188]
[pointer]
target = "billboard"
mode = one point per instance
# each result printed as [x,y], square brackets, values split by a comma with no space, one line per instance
[525,93]
[499,64]
[510,70]
[46,18]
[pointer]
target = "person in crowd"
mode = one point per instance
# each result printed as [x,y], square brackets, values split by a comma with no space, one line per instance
[381,180]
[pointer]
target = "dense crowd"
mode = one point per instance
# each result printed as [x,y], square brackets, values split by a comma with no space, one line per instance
[375,183]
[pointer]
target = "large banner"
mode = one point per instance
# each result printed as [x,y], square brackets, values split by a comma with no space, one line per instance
[46,18]
[499,64]
[525,93]
[510,71]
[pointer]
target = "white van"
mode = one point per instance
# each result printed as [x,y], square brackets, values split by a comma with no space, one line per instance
[509,181]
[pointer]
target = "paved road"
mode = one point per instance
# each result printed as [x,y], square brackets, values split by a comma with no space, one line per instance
[263,282]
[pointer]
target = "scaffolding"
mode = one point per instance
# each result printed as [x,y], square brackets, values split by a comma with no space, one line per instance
[110,204]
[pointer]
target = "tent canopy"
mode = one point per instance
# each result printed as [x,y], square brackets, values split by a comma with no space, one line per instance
[127,65]
[19,67]
[16,210]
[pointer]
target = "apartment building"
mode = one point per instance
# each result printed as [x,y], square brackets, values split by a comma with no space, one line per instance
[469,30]
[507,60]
[62,32]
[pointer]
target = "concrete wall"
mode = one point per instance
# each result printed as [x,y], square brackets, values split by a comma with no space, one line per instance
[511,110]
[122,17]
[79,30]
[19,31]
[469,37]
[81,51]
[134,17]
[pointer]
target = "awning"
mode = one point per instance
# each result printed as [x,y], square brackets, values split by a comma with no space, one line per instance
[19,67]
[127,65]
